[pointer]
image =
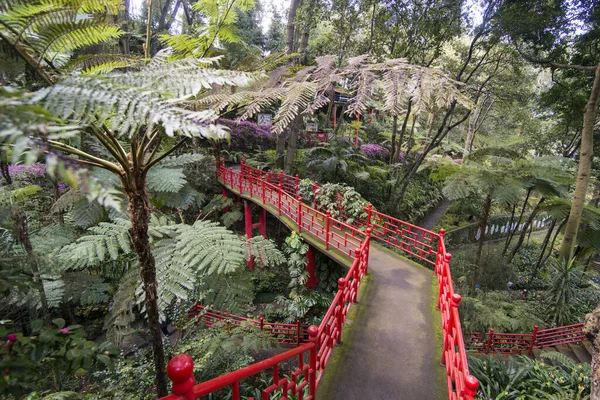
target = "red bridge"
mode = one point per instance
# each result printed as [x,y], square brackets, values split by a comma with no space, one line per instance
[391,347]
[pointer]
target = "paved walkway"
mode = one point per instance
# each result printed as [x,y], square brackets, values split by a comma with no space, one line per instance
[389,344]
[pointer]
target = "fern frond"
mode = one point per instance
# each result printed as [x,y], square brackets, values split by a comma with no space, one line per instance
[165,180]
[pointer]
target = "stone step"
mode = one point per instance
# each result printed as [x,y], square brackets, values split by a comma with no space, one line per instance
[581,353]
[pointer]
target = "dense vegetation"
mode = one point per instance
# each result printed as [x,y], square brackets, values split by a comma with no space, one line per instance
[478,117]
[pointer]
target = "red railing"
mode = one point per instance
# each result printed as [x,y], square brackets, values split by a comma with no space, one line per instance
[461,385]
[284,334]
[281,192]
[409,238]
[518,343]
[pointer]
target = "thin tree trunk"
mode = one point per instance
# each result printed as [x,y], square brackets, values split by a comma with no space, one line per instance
[524,231]
[370,46]
[543,251]
[510,224]
[403,129]
[4,166]
[394,133]
[291,26]
[280,151]
[583,173]
[513,231]
[139,212]
[22,230]
[486,213]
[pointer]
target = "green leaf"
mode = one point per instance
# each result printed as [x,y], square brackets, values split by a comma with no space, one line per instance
[59,322]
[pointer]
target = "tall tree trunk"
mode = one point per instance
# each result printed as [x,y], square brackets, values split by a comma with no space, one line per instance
[585,166]
[139,212]
[487,206]
[292,144]
[510,224]
[591,329]
[372,30]
[124,39]
[291,26]
[280,151]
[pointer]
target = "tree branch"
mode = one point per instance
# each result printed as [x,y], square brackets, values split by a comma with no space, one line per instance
[151,163]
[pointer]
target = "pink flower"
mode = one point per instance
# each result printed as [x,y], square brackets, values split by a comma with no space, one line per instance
[12,337]
[64,330]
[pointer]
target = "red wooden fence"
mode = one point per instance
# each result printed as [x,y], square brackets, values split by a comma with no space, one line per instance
[281,193]
[518,343]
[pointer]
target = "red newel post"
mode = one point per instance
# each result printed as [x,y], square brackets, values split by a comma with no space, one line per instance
[490,341]
[327,222]
[471,385]
[341,304]
[369,211]
[181,372]
[313,337]
[367,248]
[262,323]
[299,216]
[533,337]
[263,191]
[297,185]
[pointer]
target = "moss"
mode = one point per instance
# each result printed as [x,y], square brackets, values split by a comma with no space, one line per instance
[339,353]
[440,373]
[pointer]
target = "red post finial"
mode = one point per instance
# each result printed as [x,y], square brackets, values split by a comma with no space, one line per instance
[471,384]
[442,232]
[313,332]
[448,257]
[181,372]
[456,300]
[341,283]
[357,252]
[369,230]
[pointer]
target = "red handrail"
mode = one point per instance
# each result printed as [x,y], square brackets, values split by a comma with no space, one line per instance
[285,334]
[282,192]
[517,343]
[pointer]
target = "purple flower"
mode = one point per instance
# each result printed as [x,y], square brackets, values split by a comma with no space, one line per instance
[64,330]
[373,150]
[12,337]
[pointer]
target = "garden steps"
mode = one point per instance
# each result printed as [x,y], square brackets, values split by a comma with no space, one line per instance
[579,353]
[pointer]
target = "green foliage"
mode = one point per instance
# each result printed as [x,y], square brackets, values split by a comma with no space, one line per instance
[51,352]
[567,279]
[500,311]
[524,379]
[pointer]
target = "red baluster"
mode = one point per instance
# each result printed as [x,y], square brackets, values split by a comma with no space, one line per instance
[327,222]
[181,372]
[299,216]
[341,304]
[297,185]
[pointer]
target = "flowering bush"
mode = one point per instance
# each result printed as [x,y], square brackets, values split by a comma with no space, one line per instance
[246,135]
[377,151]
[34,174]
